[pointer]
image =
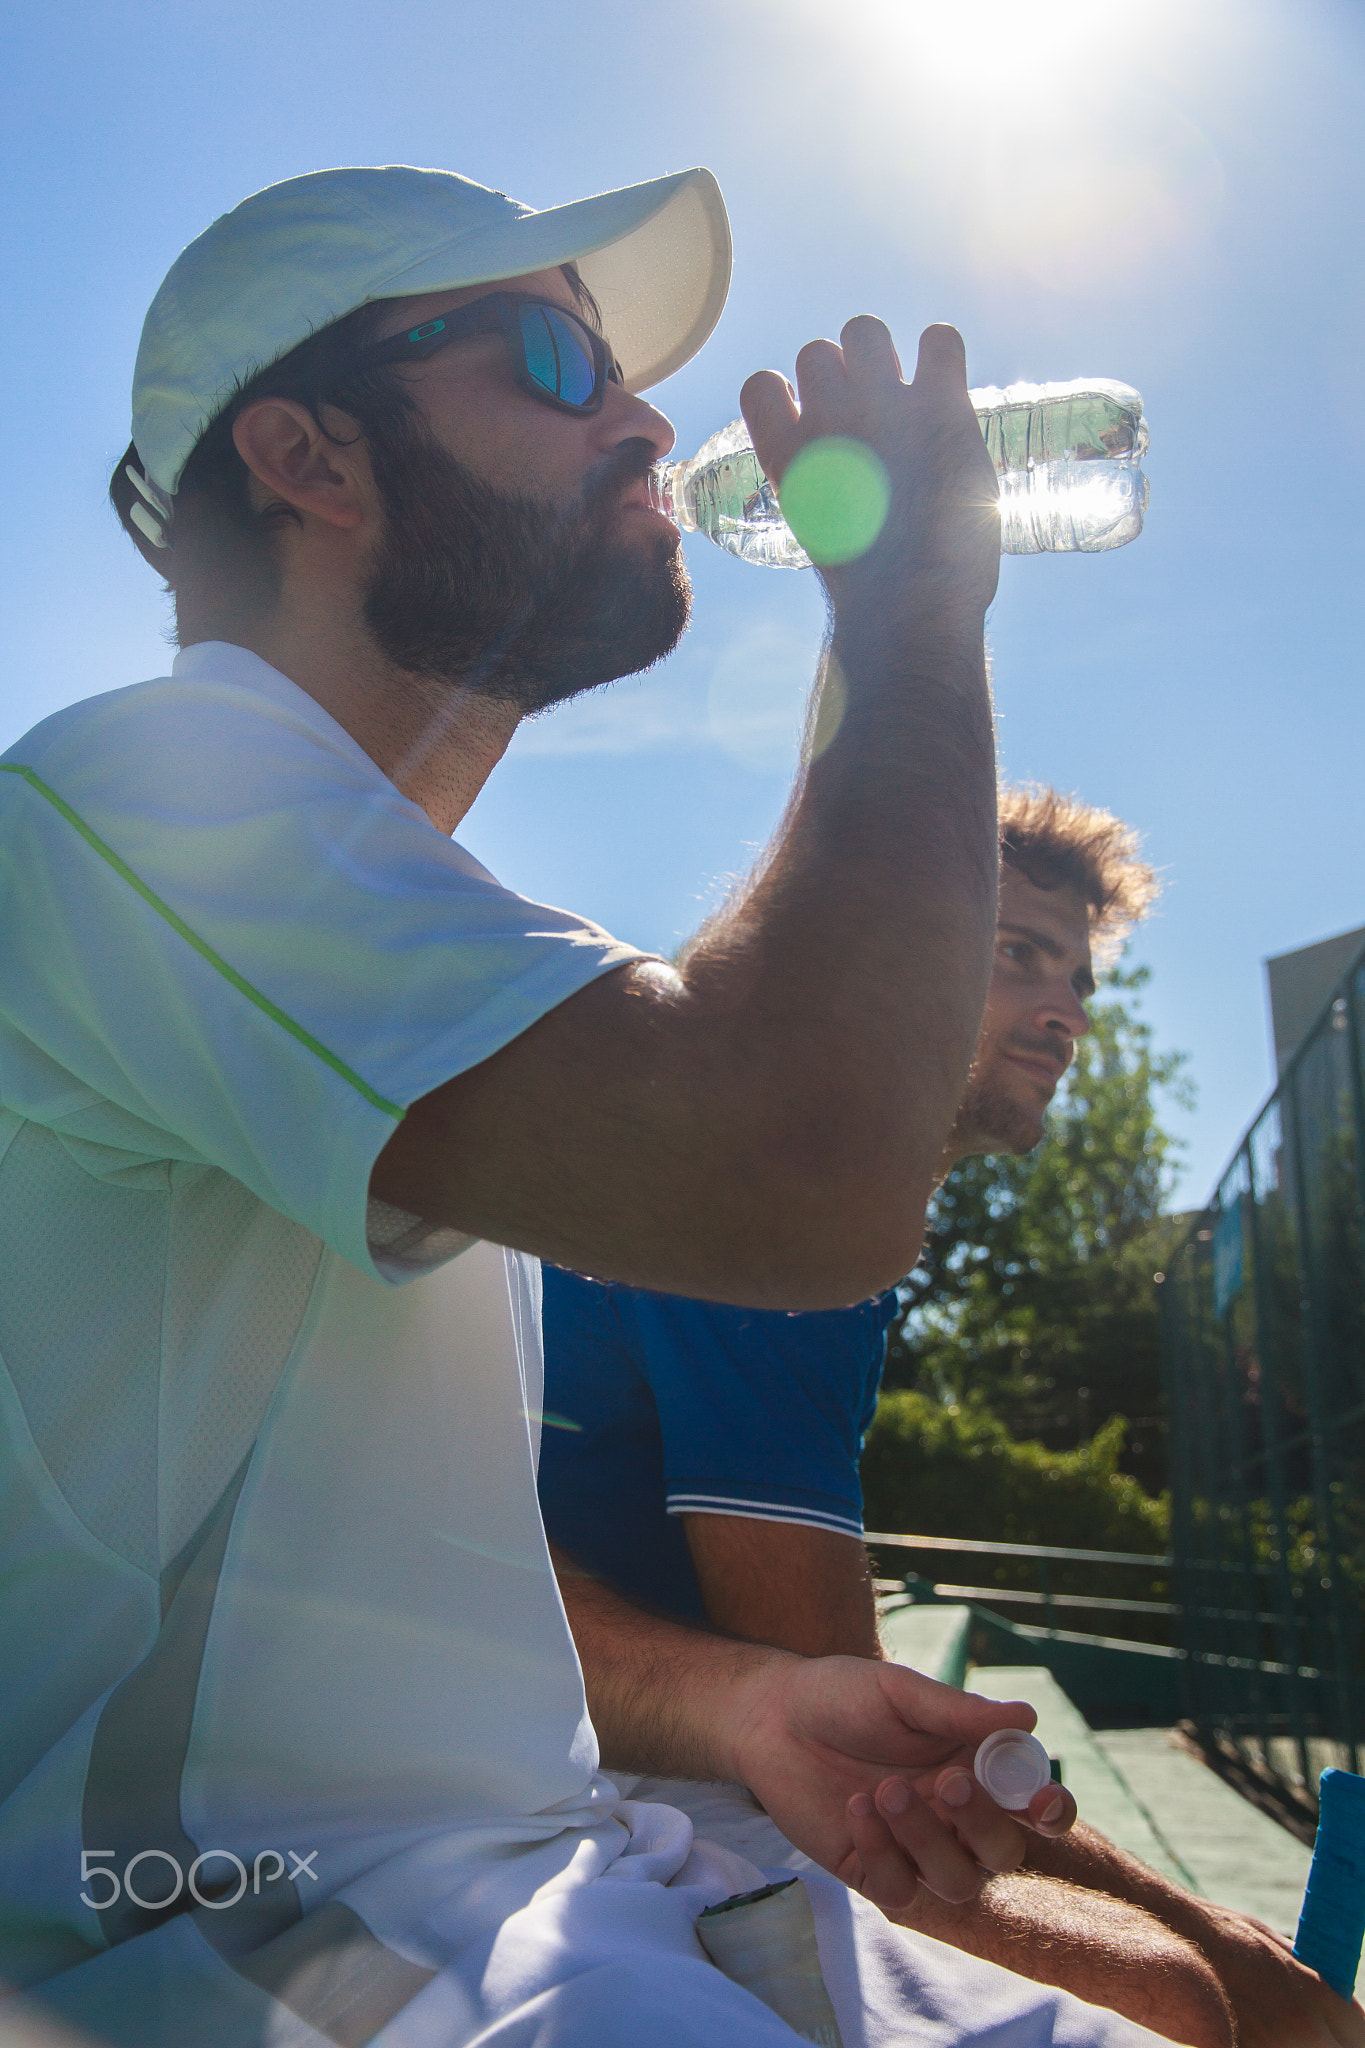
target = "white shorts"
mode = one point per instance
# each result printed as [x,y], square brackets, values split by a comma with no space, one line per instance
[602,1955]
[727,1815]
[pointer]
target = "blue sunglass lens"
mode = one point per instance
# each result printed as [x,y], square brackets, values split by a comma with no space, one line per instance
[558,357]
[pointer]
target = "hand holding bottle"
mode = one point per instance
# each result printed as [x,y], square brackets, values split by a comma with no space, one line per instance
[938,550]
[1068,456]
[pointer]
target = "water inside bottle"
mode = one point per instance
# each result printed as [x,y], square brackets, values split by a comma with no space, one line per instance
[726,495]
[1070,506]
[1068,457]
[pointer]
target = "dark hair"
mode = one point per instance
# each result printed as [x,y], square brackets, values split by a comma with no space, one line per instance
[221,566]
[1057,842]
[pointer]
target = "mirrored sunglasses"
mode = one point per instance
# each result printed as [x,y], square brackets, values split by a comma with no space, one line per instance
[555,356]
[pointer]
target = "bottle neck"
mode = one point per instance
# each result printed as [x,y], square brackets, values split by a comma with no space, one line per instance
[669,484]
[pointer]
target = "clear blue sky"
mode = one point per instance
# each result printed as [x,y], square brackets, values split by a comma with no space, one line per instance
[1166,193]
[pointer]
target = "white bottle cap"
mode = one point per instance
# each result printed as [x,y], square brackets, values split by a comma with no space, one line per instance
[1012,1765]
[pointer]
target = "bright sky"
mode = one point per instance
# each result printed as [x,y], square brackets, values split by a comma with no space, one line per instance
[1165,191]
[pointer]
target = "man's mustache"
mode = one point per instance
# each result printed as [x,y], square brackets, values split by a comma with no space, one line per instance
[1038,1046]
[608,481]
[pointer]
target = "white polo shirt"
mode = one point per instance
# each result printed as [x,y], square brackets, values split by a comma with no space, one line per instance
[272,1574]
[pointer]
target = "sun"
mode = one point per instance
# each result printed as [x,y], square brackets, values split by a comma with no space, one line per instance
[1051,42]
[1043,137]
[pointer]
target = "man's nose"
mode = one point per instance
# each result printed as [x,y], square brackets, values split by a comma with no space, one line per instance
[1065,1014]
[624,417]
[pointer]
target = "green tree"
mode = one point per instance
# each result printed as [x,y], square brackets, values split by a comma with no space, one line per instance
[1035,1296]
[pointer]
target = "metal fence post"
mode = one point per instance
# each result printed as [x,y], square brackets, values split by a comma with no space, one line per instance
[1272,1427]
[1310,1276]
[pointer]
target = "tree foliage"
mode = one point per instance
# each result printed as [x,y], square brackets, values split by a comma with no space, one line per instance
[1035,1295]
[949,1470]
[943,1469]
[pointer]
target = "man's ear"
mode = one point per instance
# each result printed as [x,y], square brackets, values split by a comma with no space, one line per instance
[286,450]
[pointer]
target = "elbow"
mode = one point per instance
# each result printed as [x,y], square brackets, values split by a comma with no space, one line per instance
[886,1256]
[851,1265]
[838,1240]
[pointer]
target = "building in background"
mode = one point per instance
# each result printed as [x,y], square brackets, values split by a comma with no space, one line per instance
[1299,986]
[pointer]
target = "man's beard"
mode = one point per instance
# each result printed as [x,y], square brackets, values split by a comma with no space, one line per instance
[990,1117]
[496,592]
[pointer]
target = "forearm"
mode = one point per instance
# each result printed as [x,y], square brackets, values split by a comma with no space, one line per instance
[866,933]
[665,1699]
[1277,2002]
[801,1589]
[1100,1949]
[870,926]
[1088,1859]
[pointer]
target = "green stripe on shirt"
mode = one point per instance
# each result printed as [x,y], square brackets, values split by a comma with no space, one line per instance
[201,946]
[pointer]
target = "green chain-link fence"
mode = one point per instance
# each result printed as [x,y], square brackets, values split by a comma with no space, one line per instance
[1263,1338]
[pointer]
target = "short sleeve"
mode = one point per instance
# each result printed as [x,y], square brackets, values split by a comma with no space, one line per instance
[601,1458]
[229,939]
[763,1414]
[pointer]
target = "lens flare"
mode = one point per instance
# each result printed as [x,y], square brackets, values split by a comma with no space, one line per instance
[835,496]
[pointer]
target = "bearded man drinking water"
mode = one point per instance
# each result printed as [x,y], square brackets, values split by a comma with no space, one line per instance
[293,1096]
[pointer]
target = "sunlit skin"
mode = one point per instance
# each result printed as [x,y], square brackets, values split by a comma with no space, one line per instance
[474,407]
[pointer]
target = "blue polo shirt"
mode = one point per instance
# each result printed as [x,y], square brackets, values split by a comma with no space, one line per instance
[657,1407]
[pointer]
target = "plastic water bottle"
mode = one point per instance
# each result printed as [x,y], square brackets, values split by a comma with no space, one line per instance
[1069,459]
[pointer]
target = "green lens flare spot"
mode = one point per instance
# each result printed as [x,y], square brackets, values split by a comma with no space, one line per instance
[835,497]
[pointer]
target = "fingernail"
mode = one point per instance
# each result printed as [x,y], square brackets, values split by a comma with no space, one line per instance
[955,1789]
[1054,1810]
[895,1797]
[860,1806]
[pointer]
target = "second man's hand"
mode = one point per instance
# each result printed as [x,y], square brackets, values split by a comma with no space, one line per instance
[867,1767]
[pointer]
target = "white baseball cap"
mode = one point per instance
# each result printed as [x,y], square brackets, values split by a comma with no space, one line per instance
[301,254]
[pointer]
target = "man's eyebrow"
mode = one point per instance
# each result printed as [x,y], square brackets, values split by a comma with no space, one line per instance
[1083,981]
